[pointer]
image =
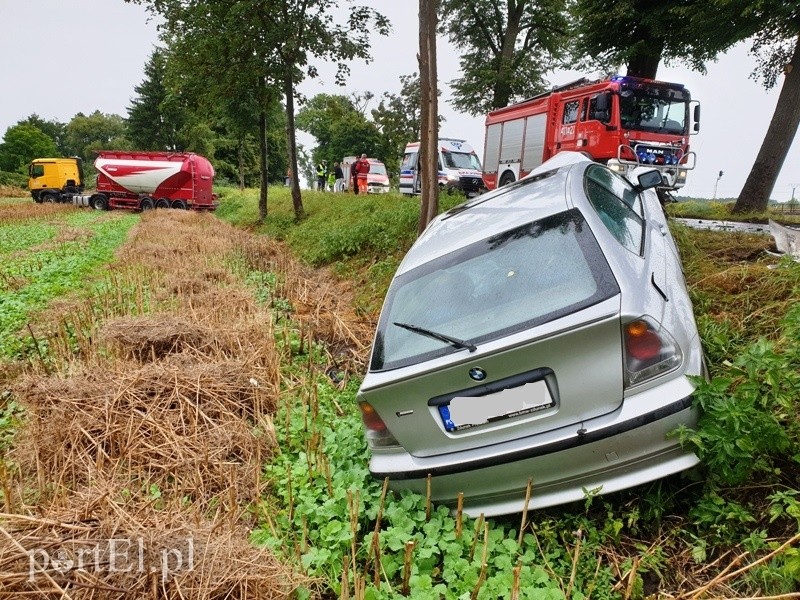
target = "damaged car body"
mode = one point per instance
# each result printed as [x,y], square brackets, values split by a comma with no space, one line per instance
[542,332]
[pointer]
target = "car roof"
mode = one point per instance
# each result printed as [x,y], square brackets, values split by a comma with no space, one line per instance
[540,194]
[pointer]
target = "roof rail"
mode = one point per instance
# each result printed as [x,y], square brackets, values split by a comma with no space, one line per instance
[449,139]
[559,88]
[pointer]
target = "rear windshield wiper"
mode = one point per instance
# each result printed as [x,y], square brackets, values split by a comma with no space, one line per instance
[438,336]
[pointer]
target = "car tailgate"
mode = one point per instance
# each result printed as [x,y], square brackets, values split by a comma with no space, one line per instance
[551,380]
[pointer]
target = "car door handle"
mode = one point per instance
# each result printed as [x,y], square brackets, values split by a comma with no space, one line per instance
[663,230]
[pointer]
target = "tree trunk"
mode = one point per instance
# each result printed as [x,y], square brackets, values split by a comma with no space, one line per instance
[288,90]
[240,156]
[429,134]
[501,94]
[646,57]
[262,146]
[754,196]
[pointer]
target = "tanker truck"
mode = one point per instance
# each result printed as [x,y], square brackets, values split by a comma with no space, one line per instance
[125,179]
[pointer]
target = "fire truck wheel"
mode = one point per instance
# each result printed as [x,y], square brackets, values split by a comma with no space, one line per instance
[146,204]
[508,177]
[99,202]
[49,198]
[162,203]
[179,204]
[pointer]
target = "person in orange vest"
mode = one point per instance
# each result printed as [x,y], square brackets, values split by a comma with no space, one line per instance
[363,171]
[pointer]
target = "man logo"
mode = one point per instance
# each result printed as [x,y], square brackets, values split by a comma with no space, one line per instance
[477,374]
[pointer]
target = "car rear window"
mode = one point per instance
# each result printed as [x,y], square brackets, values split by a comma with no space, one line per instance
[617,204]
[506,283]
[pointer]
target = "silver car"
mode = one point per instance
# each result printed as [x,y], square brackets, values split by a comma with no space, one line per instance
[542,331]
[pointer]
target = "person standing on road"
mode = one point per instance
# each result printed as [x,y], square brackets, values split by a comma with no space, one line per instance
[339,176]
[322,167]
[363,171]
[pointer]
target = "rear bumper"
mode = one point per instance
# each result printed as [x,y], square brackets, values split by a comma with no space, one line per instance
[612,453]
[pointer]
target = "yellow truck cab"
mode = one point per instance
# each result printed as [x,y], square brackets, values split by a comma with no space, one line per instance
[55,179]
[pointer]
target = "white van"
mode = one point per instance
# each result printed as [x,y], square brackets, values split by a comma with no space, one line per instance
[459,168]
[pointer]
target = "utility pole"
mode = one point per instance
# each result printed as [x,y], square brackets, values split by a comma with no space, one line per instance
[794,186]
[716,183]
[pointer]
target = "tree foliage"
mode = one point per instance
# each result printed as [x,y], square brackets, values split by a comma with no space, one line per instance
[53,129]
[258,49]
[87,134]
[155,119]
[339,127]
[641,33]
[398,119]
[507,47]
[22,143]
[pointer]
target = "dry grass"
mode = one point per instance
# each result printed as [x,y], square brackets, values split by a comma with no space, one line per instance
[14,212]
[12,191]
[101,546]
[320,302]
[150,417]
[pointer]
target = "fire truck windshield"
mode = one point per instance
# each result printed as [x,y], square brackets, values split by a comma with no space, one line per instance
[654,109]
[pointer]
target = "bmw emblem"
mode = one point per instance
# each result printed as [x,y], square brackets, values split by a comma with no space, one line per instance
[477,374]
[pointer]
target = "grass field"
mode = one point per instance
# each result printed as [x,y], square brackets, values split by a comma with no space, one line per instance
[183,378]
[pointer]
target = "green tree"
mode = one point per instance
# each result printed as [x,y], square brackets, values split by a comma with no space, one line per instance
[641,33]
[86,135]
[506,47]
[55,130]
[398,120]
[155,119]
[21,144]
[339,127]
[777,48]
[259,48]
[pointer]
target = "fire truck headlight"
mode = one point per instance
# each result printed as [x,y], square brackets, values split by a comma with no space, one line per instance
[682,174]
[615,166]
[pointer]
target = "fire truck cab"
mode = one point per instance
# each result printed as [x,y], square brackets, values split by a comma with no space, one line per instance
[624,122]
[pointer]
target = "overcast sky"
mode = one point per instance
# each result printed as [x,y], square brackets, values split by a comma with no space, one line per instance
[60,57]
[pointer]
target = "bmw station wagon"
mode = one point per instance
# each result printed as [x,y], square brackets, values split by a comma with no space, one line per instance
[541,331]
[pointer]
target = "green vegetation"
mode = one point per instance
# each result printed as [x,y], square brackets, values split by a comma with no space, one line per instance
[44,260]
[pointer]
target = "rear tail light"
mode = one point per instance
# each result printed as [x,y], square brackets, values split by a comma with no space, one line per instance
[378,435]
[650,351]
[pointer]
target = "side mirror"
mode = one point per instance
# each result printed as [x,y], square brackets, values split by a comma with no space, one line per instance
[696,127]
[649,179]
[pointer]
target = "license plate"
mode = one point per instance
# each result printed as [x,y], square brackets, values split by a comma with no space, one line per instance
[464,412]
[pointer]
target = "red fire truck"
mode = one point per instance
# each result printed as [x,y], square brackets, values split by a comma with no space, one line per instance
[624,122]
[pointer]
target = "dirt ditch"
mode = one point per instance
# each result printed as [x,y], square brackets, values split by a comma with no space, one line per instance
[148,421]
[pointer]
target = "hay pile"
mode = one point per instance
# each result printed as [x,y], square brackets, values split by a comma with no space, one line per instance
[154,432]
[103,547]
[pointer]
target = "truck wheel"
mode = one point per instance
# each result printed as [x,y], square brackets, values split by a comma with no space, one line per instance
[146,204]
[179,204]
[99,202]
[162,203]
[49,198]
[508,177]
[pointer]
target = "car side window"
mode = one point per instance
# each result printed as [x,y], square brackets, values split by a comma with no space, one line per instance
[617,204]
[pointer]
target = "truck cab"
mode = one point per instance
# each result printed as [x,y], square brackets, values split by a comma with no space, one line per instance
[49,179]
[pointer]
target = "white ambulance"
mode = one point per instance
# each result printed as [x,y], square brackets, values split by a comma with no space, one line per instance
[459,168]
